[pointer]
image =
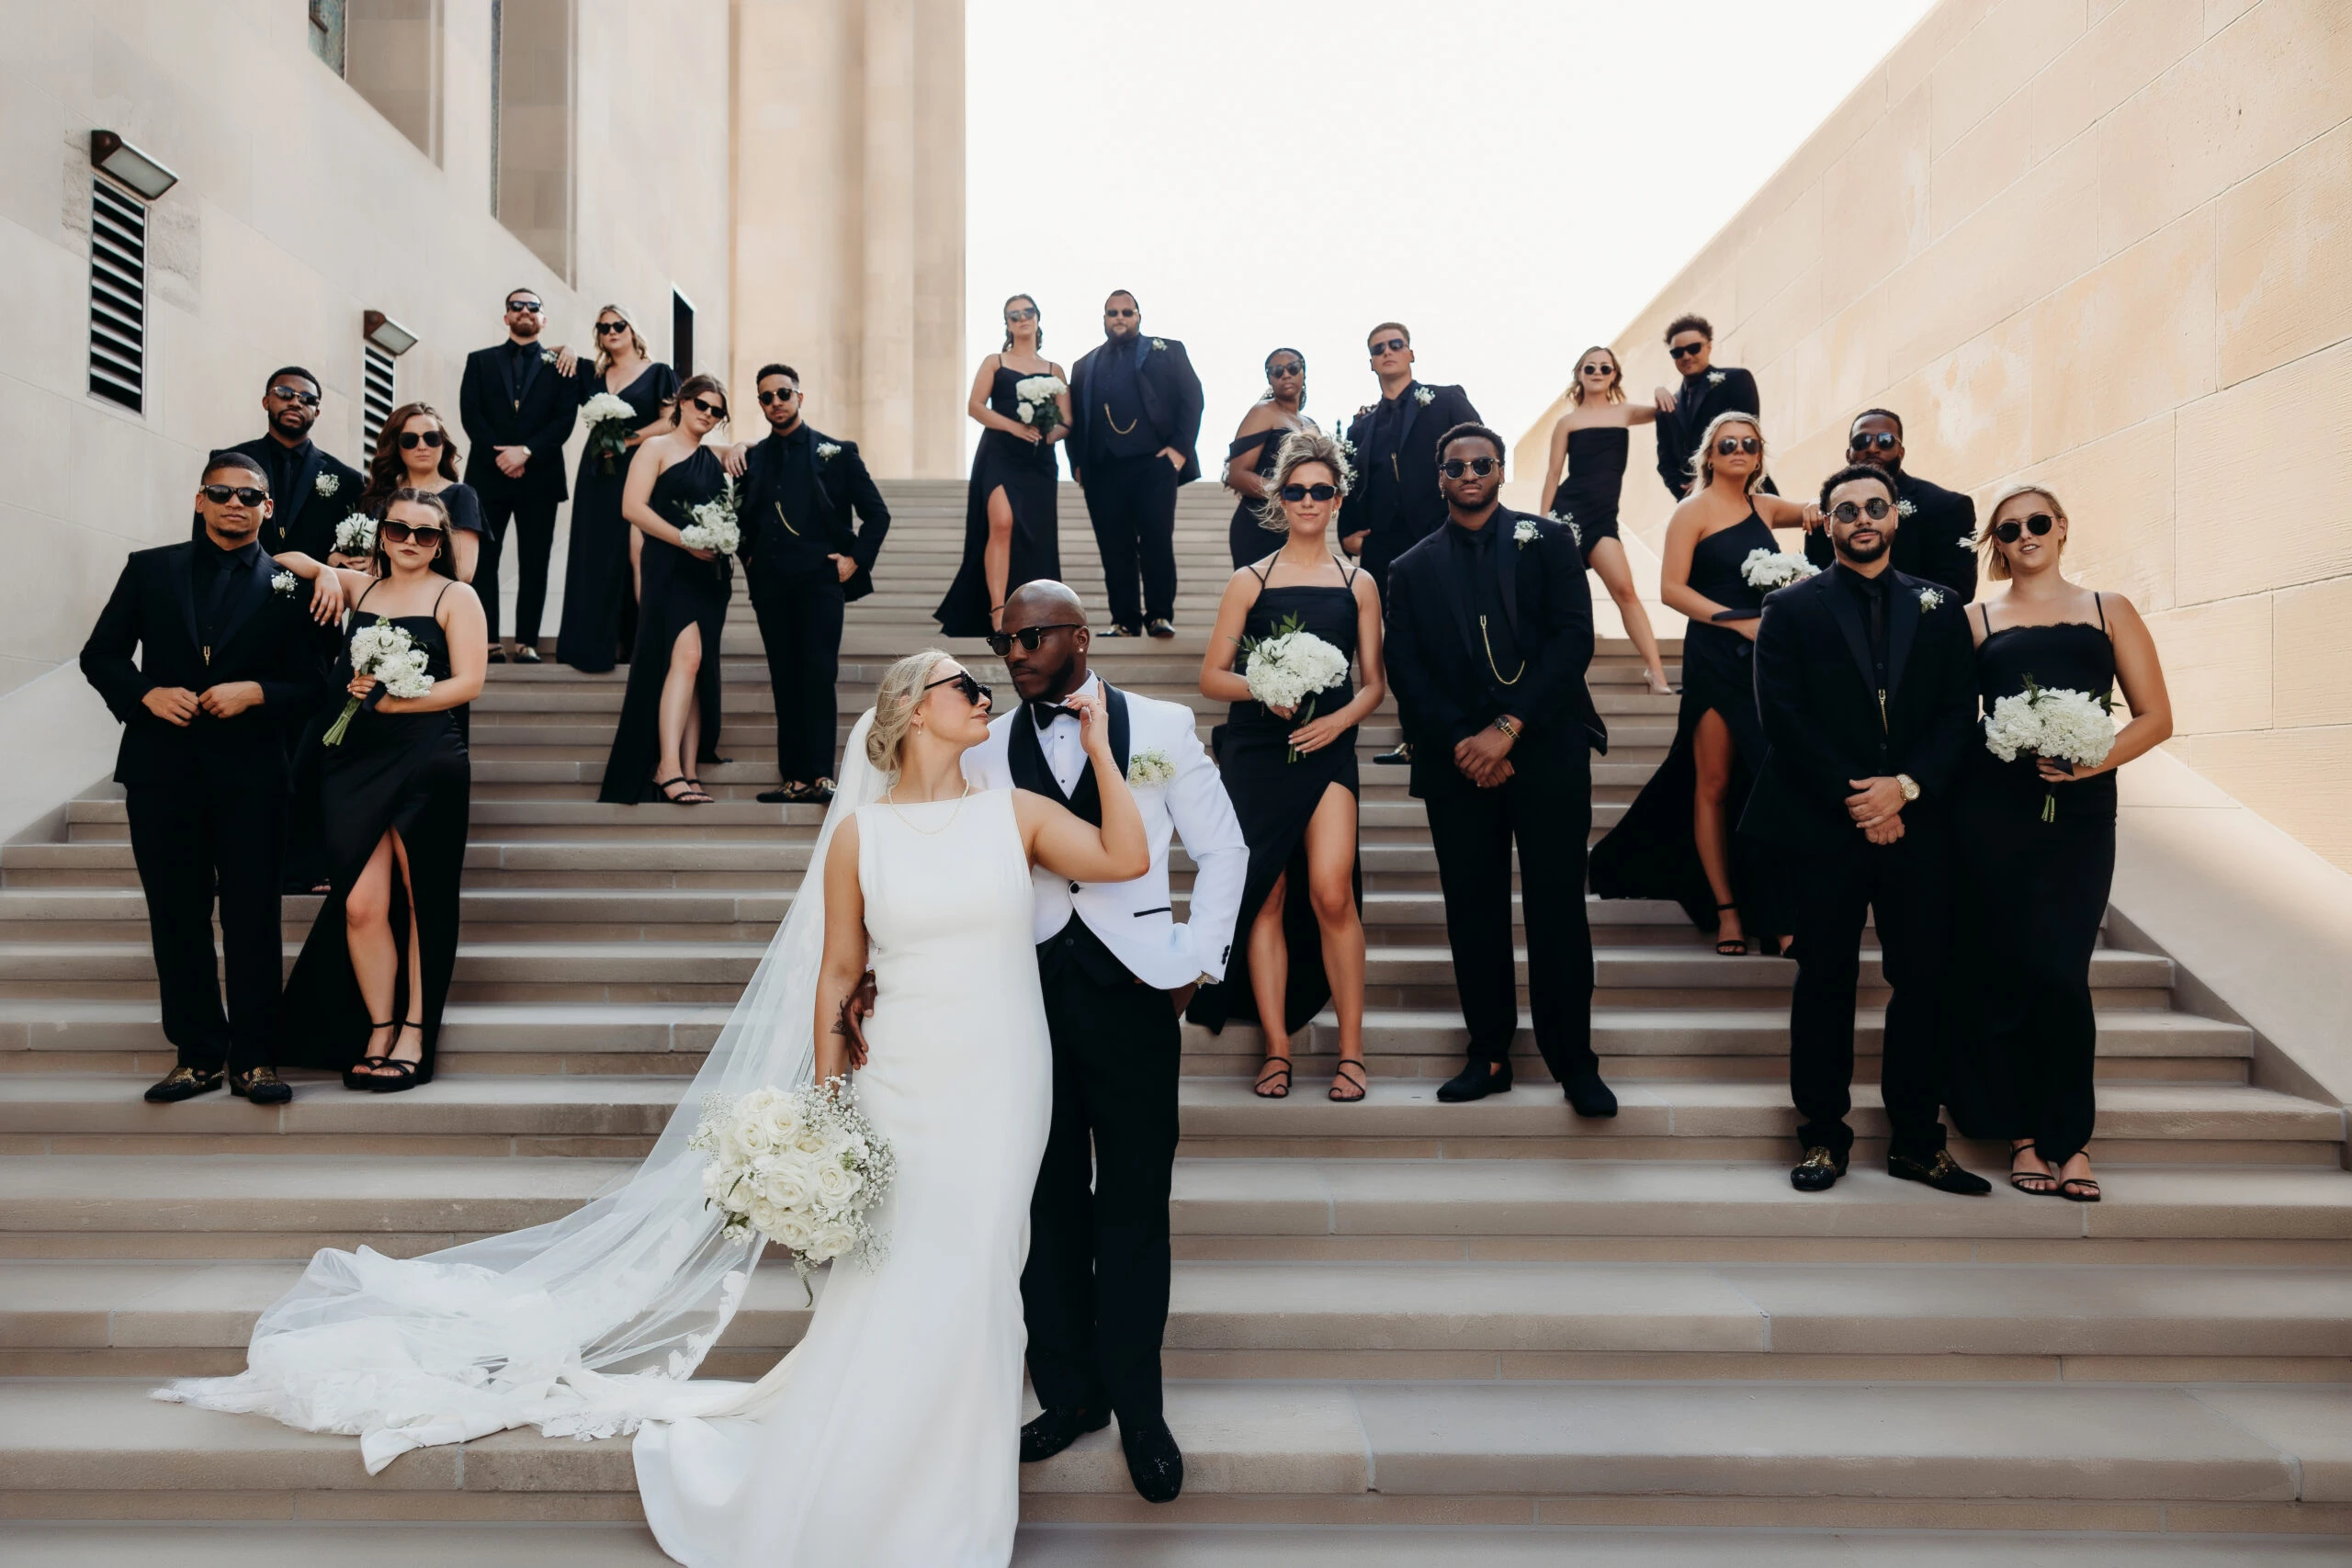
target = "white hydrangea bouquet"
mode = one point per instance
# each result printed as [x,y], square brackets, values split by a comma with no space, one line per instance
[1036,404]
[1768,570]
[355,535]
[611,421]
[2051,721]
[1288,668]
[389,654]
[712,525]
[801,1166]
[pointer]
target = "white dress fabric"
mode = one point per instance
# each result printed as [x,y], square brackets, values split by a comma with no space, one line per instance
[889,1438]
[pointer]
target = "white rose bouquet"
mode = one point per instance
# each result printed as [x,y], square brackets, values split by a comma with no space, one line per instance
[2054,722]
[1768,570]
[1037,405]
[355,535]
[1287,668]
[611,421]
[802,1166]
[712,525]
[389,654]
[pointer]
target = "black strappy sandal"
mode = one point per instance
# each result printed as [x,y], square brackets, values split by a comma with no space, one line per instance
[697,795]
[1261,1087]
[360,1075]
[409,1074]
[2017,1178]
[1730,946]
[1363,1082]
[689,798]
[2089,1184]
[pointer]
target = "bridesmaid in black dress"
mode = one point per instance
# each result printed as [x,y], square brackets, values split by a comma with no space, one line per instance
[1585,476]
[366,994]
[1677,841]
[416,451]
[1297,813]
[1011,527]
[1250,461]
[670,717]
[600,564]
[2034,891]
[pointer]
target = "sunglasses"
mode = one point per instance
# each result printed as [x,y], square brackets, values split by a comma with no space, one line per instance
[1030,314]
[412,439]
[401,533]
[1454,468]
[289,394]
[1122,313]
[1688,351]
[973,692]
[1730,444]
[1874,509]
[611,328]
[1391,347]
[1001,643]
[1600,371]
[1310,493]
[1883,440]
[524,306]
[783,397]
[1287,368]
[245,495]
[2007,533]
[716,411]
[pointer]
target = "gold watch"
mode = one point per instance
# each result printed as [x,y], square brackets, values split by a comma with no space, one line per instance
[1910,788]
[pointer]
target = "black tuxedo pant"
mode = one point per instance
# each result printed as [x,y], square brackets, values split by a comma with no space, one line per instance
[1131,501]
[191,840]
[800,628]
[1095,1288]
[533,518]
[1547,808]
[1906,887]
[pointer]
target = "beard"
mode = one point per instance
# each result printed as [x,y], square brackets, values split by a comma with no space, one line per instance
[1862,555]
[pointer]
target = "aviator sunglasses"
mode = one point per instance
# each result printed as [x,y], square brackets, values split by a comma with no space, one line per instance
[1390,346]
[246,495]
[403,533]
[1029,314]
[412,439]
[2007,533]
[973,692]
[1885,441]
[1874,509]
[1316,492]
[1731,443]
[1454,468]
[1001,643]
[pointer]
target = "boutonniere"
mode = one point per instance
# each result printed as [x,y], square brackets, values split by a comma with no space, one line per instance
[1423,396]
[1568,520]
[1715,378]
[1160,344]
[1904,508]
[1966,541]
[1930,599]
[326,484]
[1149,768]
[1526,531]
[547,356]
[286,585]
[825,450]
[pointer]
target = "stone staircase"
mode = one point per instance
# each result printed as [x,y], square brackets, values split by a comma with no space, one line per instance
[1524,1335]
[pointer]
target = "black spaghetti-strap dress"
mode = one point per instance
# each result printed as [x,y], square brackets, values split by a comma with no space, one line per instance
[1595,477]
[681,590]
[1244,536]
[409,772]
[1029,477]
[1651,852]
[599,625]
[2033,895]
[1274,798]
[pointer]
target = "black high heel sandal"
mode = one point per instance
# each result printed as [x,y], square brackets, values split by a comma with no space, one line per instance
[2017,1178]
[410,1074]
[358,1076]
[689,798]
[698,794]
[1730,946]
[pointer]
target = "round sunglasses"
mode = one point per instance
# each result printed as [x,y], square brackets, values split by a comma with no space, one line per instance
[1876,508]
[1599,370]
[1314,493]
[2008,533]
[1454,468]
[1731,443]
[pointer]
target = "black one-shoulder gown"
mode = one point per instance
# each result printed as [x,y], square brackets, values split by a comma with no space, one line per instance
[681,590]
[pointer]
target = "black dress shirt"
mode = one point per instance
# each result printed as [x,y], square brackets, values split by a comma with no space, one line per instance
[1472,556]
[790,529]
[1384,495]
[285,465]
[1123,431]
[1871,593]
[214,570]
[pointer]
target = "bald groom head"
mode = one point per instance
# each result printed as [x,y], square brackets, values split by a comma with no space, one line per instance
[1056,665]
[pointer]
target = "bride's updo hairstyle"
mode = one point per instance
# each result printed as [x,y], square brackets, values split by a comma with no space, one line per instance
[1299,449]
[895,702]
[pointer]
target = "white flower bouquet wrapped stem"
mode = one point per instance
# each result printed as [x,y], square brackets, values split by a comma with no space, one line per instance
[1289,668]
[1768,570]
[389,654]
[1037,402]
[355,535]
[712,525]
[611,420]
[803,1167]
[2052,722]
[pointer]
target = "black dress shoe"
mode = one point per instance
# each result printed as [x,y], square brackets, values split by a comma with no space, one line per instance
[1475,1082]
[497,656]
[1154,1461]
[1818,1171]
[526,654]
[262,1086]
[183,1083]
[1055,1430]
[1943,1173]
[1591,1097]
[1160,625]
[780,797]
[1401,757]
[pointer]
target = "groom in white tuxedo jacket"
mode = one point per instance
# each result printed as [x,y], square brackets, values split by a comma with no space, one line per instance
[1117,968]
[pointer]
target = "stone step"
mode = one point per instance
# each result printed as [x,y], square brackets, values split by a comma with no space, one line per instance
[2272,1458]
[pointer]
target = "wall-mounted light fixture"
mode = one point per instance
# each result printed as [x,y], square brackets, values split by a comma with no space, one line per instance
[128,164]
[385,333]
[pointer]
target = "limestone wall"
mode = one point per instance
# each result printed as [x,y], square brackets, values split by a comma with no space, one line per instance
[2108,244]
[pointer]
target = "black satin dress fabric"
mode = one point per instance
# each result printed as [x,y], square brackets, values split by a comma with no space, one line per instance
[1029,477]
[408,773]
[1651,853]
[2033,895]
[1244,536]
[599,600]
[681,590]
[1274,798]
[1594,479]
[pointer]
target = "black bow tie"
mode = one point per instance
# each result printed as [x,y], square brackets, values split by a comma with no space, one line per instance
[1046,713]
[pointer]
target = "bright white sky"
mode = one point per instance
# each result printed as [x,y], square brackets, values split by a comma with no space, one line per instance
[1511,178]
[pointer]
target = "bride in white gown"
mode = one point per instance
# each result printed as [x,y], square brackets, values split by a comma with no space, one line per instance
[889,1438]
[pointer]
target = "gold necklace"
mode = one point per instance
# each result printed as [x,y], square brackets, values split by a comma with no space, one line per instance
[1109,420]
[927,833]
[1506,680]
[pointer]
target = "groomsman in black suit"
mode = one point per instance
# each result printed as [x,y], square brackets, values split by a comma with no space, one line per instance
[804,562]
[1490,634]
[1135,425]
[226,662]
[1397,503]
[1707,390]
[311,490]
[1866,680]
[517,408]
[1937,540]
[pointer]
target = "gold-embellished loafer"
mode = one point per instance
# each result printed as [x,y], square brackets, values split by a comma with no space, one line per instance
[1818,1171]
[183,1083]
[262,1086]
[1943,1173]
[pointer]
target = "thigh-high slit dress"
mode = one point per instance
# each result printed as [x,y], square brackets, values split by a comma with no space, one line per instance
[681,590]
[1030,477]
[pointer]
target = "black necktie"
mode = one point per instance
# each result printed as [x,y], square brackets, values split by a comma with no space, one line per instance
[1046,713]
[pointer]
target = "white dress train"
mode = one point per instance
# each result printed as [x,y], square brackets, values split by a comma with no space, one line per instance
[889,1438]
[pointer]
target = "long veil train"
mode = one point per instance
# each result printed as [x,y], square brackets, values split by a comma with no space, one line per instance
[584,1326]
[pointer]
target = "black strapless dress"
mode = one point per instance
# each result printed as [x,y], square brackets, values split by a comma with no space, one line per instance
[599,628]
[1596,477]
[2032,896]
[1274,798]
[408,773]
[1651,852]
[1029,476]
[681,590]
[1244,536]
